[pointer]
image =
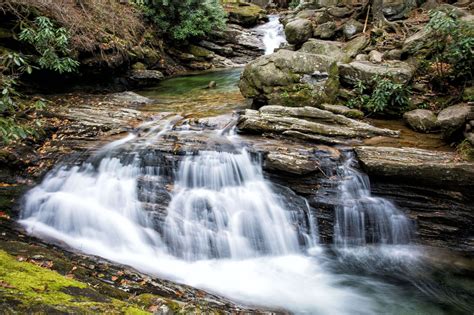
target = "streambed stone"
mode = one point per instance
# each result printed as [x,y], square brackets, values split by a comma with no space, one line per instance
[308,123]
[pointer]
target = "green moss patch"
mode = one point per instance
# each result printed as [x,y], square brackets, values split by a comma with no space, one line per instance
[27,287]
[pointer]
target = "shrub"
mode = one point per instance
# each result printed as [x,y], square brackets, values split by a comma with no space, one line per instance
[453,56]
[14,121]
[182,20]
[385,96]
[294,4]
[51,43]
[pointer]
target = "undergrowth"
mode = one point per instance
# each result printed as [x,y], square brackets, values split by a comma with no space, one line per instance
[381,95]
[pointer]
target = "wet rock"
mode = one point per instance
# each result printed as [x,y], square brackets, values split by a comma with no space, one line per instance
[130,98]
[293,163]
[308,123]
[326,30]
[290,78]
[452,120]
[422,120]
[416,165]
[399,72]
[351,28]
[344,110]
[375,56]
[331,49]
[298,31]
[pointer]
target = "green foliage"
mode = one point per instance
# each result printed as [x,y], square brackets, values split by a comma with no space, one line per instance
[293,4]
[51,43]
[385,96]
[453,56]
[12,127]
[182,20]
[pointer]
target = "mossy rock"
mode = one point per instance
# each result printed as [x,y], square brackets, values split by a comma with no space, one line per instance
[245,14]
[468,95]
[200,52]
[28,288]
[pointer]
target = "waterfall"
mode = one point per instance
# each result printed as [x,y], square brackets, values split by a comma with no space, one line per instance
[362,218]
[226,229]
[273,34]
[222,207]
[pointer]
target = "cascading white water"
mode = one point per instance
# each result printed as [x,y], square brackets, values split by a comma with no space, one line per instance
[223,208]
[94,209]
[226,230]
[364,219]
[273,34]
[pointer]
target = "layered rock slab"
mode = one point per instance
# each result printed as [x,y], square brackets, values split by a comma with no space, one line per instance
[309,123]
[417,165]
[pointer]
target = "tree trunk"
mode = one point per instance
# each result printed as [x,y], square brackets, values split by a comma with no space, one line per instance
[379,19]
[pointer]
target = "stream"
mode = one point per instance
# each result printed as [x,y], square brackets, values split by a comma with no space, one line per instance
[212,219]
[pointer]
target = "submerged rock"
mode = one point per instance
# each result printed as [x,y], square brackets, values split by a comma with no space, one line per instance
[308,123]
[421,120]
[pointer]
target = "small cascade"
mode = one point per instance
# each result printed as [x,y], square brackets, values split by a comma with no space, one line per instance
[273,34]
[90,207]
[223,208]
[363,219]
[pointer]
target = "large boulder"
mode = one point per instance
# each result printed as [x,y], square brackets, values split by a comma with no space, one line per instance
[364,71]
[452,119]
[420,43]
[331,49]
[326,30]
[245,14]
[308,123]
[421,120]
[290,78]
[298,31]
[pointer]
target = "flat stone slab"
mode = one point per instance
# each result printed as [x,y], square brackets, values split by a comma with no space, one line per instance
[308,123]
[422,166]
